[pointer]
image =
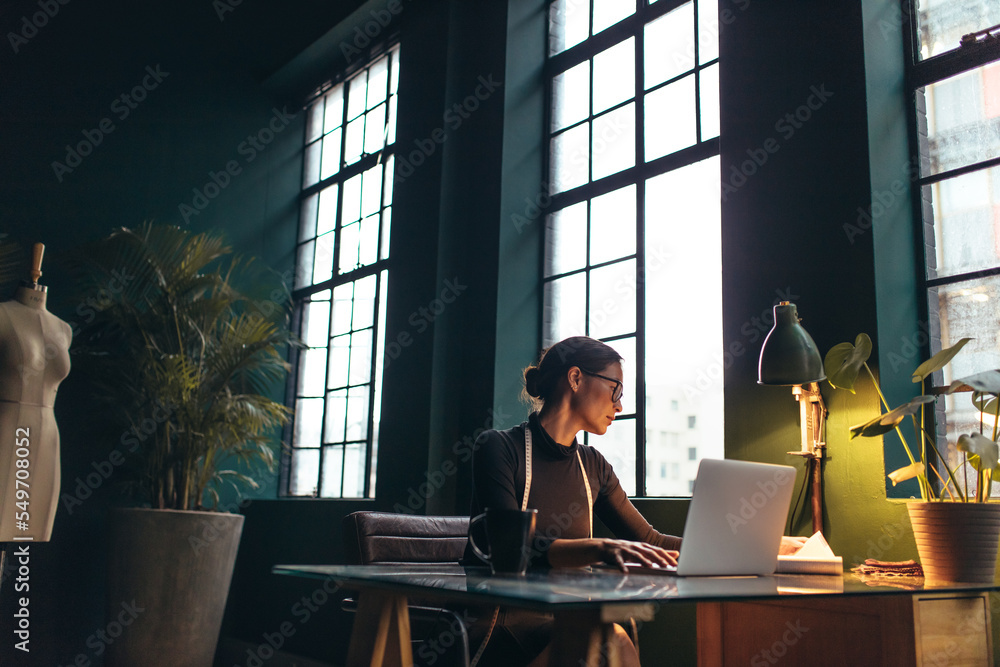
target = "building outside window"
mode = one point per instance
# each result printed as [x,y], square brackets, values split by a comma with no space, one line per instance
[955,82]
[342,268]
[633,241]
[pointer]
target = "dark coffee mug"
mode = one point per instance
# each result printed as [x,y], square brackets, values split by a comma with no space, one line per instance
[510,533]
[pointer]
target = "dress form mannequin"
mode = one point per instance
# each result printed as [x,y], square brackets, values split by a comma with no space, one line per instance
[34,359]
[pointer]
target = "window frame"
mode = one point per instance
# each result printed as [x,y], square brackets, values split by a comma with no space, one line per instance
[637,175]
[380,269]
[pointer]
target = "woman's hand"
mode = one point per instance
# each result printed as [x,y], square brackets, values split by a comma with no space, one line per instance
[580,552]
[790,545]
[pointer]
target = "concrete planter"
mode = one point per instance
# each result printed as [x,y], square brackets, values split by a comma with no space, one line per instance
[168,578]
[957,542]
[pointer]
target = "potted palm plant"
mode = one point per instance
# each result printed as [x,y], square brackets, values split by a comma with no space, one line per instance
[956,526]
[182,347]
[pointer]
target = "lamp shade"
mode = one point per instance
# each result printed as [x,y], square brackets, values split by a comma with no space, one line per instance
[789,355]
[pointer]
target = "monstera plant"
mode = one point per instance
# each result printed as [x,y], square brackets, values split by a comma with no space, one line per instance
[957,541]
[937,480]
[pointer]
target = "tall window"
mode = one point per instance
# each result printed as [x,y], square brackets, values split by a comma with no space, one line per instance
[955,79]
[632,239]
[342,267]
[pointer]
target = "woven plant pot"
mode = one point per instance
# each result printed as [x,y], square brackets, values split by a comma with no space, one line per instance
[957,542]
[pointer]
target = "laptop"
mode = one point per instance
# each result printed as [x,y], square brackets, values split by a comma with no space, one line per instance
[736,519]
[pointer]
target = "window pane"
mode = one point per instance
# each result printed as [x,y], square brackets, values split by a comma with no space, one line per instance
[336,413]
[340,361]
[334,109]
[302,480]
[312,371]
[569,24]
[323,264]
[709,94]
[371,191]
[614,75]
[669,46]
[375,129]
[708,32]
[361,357]
[327,219]
[962,115]
[612,225]
[966,222]
[613,142]
[566,240]
[968,309]
[350,237]
[612,300]
[941,23]
[571,96]
[354,141]
[331,154]
[670,122]
[343,303]
[357,94]
[333,471]
[570,158]
[386,229]
[609,12]
[378,78]
[315,323]
[351,209]
[357,413]
[364,303]
[564,309]
[683,241]
[354,466]
[308,420]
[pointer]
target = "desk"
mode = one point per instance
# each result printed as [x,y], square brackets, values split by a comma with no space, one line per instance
[586,603]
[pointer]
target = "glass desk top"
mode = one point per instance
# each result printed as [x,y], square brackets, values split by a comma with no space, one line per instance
[568,589]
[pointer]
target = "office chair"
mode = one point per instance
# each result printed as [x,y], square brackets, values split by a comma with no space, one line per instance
[398,539]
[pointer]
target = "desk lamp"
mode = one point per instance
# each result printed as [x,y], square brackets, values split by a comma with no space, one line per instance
[790,357]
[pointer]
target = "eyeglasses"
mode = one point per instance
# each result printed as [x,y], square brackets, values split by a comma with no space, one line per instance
[619,389]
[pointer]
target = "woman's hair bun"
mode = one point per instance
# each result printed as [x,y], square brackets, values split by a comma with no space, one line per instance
[531,377]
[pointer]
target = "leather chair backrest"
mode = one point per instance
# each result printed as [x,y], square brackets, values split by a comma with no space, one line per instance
[387,538]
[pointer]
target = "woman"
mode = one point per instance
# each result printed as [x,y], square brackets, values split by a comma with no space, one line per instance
[576,386]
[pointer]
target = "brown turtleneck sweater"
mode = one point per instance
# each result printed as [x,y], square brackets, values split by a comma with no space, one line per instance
[557,490]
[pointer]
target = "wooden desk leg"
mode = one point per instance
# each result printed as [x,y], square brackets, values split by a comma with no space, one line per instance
[381,634]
